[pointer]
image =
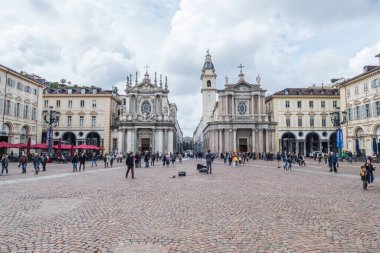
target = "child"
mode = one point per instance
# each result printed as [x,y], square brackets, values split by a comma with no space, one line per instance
[363,177]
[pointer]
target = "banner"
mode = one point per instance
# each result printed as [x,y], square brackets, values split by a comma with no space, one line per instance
[339,138]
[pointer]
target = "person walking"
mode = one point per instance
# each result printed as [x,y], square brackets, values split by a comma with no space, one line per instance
[130,162]
[36,163]
[173,158]
[111,159]
[93,160]
[43,161]
[82,161]
[369,171]
[146,159]
[23,162]
[363,177]
[74,162]
[209,159]
[4,164]
[105,159]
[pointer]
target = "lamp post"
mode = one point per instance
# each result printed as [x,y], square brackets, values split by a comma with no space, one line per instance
[51,118]
[337,122]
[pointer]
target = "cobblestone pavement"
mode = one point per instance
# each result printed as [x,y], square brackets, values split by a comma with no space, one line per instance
[251,208]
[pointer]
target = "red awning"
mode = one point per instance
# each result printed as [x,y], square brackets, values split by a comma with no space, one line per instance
[4,144]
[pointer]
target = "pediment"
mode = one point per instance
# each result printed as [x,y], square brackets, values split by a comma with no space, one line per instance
[356,102]
[366,100]
[19,99]
[93,113]
[288,113]
[69,113]
[9,95]
[311,113]
[144,87]
[81,113]
[27,101]
[300,114]
[376,96]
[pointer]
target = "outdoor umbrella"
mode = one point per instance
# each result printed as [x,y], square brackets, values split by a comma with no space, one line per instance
[4,144]
[28,146]
[20,145]
[59,153]
[39,146]
[63,146]
[85,146]
[357,148]
[374,144]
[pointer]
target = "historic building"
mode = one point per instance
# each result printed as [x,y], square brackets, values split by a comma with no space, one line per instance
[148,121]
[303,117]
[237,121]
[20,107]
[360,100]
[88,115]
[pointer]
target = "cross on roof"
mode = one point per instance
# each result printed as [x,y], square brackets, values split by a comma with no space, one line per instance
[241,67]
[146,68]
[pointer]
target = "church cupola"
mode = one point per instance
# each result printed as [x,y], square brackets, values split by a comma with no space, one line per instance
[241,75]
[208,63]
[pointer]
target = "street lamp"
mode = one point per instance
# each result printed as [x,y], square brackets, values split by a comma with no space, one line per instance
[337,122]
[51,118]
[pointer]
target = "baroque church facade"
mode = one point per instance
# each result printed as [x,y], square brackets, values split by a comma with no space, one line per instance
[233,118]
[148,121]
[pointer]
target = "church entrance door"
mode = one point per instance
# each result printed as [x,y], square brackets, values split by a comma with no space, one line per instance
[243,145]
[145,144]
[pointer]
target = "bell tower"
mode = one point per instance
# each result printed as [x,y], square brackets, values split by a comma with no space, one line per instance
[208,89]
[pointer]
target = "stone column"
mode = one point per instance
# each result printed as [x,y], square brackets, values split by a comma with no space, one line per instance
[259,108]
[234,140]
[160,141]
[260,148]
[272,141]
[267,138]
[120,140]
[253,140]
[220,141]
[165,141]
[153,140]
[226,104]
[170,141]
[129,141]
[136,140]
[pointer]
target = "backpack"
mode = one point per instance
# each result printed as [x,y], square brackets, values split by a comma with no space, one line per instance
[362,173]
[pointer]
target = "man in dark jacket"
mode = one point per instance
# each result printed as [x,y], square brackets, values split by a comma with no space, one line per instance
[82,161]
[209,160]
[130,163]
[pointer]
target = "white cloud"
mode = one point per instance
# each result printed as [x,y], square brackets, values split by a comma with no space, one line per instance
[289,43]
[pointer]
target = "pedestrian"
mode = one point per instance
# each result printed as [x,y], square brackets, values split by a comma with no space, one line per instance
[334,162]
[167,159]
[74,162]
[130,162]
[278,158]
[173,158]
[23,162]
[105,159]
[4,164]
[43,162]
[369,171]
[164,161]
[209,160]
[229,158]
[82,161]
[363,177]
[93,160]
[36,163]
[180,158]
[152,158]
[146,159]
[111,159]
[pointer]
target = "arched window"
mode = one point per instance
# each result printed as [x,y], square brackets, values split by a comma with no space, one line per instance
[208,83]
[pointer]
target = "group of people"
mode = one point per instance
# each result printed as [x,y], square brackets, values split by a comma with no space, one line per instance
[36,160]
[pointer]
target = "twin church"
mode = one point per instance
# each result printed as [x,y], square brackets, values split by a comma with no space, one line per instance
[233,118]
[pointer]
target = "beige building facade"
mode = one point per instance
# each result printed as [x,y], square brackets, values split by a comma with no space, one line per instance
[303,117]
[88,115]
[20,107]
[360,100]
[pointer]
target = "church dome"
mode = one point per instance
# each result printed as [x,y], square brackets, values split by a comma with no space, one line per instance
[208,63]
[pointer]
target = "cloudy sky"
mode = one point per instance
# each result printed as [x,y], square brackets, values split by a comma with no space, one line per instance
[289,43]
